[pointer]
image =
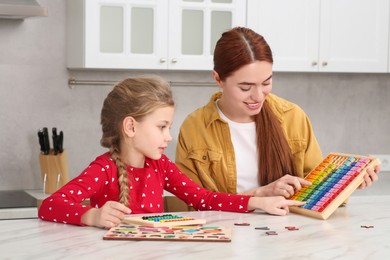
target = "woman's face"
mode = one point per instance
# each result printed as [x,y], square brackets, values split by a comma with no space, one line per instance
[244,92]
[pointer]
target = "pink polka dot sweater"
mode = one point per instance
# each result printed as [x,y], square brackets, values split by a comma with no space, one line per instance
[99,183]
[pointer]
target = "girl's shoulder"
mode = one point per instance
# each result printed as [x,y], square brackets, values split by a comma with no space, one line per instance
[103,161]
[104,158]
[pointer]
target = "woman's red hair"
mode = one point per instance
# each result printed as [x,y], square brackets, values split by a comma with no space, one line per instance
[238,47]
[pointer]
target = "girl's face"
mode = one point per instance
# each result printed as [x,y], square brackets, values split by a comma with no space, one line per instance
[245,90]
[151,136]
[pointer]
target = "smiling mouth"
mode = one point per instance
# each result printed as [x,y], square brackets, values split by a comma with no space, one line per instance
[253,105]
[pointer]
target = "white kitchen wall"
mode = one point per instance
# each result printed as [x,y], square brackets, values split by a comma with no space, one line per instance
[349,112]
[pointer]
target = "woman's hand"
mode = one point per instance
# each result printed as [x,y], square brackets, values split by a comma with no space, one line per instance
[276,205]
[107,216]
[370,177]
[285,186]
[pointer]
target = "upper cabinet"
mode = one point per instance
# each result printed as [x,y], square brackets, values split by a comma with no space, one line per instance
[148,34]
[324,35]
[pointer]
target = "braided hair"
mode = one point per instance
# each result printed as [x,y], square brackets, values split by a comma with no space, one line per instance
[135,97]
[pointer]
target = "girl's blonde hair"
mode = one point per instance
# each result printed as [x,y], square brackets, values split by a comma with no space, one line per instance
[135,97]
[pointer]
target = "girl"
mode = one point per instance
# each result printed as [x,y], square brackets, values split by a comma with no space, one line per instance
[130,178]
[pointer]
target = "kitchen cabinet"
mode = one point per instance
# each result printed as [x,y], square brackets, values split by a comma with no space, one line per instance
[324,35]
[148,34]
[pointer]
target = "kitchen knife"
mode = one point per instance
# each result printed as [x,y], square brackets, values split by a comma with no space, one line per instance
[46,142]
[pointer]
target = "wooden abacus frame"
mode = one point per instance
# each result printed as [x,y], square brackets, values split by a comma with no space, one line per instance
[343,195]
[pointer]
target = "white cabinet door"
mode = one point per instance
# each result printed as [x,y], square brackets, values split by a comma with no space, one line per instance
[324,35]
[117,34]
[152,34]
[196,25]
[291,29]
[354,35]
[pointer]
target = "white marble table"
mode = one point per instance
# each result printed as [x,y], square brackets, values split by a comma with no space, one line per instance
[339,237]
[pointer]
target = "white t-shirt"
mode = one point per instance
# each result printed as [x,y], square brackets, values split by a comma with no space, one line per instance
[244,142]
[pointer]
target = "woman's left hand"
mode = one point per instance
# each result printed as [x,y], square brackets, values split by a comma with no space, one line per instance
[370,177]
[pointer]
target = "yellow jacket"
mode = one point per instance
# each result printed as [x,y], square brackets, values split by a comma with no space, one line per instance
[205,152]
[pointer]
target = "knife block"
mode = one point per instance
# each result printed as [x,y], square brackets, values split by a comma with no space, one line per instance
[54,171]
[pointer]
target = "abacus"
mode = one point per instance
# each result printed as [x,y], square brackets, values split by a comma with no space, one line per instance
[333,181]
[166,220]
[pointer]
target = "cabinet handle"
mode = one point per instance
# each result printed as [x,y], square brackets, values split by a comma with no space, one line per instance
[163,60]
[314,63]
[324,64]
[174,60]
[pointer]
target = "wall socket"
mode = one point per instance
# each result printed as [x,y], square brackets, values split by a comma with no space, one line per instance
[385,161]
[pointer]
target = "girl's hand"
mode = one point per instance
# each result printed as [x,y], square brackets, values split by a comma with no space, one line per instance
[107,216]
[370,177]
[285,186]
[277,205]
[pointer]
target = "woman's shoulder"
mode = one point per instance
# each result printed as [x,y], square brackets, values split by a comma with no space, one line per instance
[282,106]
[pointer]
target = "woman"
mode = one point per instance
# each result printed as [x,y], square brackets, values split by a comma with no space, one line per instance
[247,140]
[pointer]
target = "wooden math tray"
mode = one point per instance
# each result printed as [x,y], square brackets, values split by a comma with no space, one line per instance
[180,233]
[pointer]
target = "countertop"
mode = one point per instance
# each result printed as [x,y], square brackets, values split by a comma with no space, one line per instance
[15,204]
[339,237]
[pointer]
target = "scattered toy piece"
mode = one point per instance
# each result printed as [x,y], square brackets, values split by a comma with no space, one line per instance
[262,228]
[242,224]
[291,228]
[270,233]
[367,226]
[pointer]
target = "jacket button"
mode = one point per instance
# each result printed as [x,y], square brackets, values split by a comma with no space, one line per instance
[204,157]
